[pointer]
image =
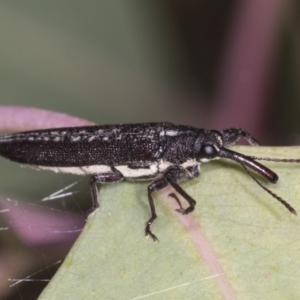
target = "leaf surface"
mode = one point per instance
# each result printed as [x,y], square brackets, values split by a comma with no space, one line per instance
[239,243]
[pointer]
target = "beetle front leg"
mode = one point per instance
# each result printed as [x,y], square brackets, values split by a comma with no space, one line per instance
[232,135]
[172,175]
[108,177]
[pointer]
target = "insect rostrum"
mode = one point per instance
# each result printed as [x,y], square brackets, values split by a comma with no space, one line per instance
[162,153]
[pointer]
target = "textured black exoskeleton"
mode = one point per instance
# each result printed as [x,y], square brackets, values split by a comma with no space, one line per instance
[163,153]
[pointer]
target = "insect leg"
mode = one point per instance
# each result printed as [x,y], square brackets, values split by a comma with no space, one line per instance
[232,135]
[173,195]
[108,177]
[154,186]
[172,175]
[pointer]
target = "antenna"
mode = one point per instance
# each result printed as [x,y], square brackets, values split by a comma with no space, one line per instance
[282,201]
[249,162]
[286,160]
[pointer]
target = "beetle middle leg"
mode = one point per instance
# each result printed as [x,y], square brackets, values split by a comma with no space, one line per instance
[108,177]
[153,187]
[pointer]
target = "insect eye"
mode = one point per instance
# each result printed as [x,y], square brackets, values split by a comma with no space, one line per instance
[208,151]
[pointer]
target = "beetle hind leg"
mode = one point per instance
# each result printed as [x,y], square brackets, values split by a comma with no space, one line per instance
[108,177]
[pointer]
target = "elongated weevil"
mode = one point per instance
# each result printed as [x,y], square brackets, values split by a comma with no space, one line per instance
[162,153]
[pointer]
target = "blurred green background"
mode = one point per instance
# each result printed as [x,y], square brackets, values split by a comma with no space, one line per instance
[209,64]
[141,61]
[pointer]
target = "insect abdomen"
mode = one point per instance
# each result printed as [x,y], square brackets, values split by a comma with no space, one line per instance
[95,145]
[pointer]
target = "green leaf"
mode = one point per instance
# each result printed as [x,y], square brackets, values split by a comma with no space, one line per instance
[239,243]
